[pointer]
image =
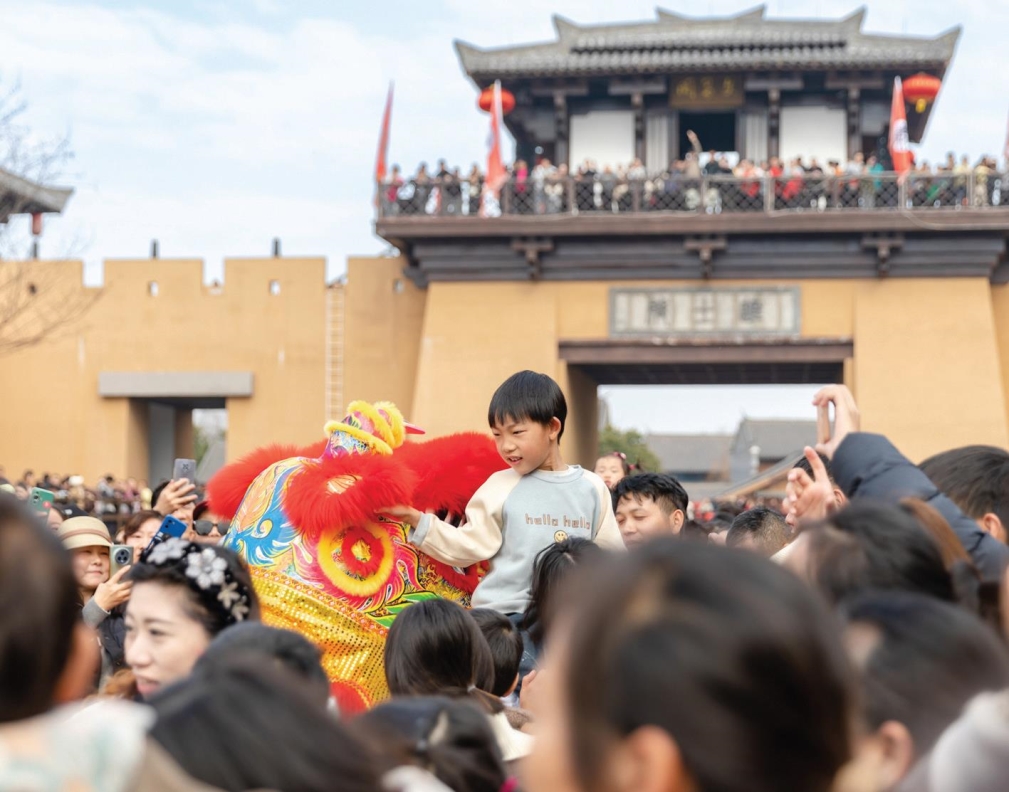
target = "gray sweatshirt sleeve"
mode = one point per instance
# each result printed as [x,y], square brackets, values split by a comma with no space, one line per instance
[93,614]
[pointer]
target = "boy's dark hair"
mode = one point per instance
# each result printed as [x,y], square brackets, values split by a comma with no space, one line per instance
[665,490]
[767,528]
[242,724]
[288,649]
[435,648]
[803,464]
[923,645]
[40,600]
[528,396]
[976,478]
[452,739]
[506,645]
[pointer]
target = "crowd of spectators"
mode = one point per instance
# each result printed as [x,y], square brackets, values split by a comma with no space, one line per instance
[853,639]
[712,182]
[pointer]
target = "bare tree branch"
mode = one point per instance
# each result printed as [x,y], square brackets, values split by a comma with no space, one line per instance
[37,301]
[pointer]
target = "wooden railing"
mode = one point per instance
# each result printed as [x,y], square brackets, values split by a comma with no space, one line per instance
[674,192]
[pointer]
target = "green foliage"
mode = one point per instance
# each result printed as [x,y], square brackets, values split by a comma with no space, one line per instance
[632,444]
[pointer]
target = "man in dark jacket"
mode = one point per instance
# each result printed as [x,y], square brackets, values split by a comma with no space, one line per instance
[869,466]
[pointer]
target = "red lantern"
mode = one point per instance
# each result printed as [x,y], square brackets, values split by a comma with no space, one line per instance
[487,99]
[36,223]
[921,89]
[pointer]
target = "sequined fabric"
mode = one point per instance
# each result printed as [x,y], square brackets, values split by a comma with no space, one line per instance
[341,588]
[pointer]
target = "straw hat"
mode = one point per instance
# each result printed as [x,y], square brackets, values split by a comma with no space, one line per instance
[78,532]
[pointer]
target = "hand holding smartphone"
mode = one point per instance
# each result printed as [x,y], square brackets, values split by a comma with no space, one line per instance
[171,528]
[185,469]
[41,501]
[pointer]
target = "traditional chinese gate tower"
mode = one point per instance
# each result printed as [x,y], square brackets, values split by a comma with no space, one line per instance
[648,274]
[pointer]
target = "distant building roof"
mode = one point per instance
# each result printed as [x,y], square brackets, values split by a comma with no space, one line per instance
[695,454]
[21,196]
[776,438]
[676,43]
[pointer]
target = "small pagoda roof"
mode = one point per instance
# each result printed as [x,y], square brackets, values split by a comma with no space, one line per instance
[676,43]
[21,196]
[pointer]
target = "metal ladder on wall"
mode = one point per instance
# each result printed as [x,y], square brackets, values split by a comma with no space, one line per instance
[335,328]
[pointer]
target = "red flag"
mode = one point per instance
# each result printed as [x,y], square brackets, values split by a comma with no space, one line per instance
[383,139]
[900,153]
[496,173]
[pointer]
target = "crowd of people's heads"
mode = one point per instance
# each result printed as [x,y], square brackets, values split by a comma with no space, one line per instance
[850,637]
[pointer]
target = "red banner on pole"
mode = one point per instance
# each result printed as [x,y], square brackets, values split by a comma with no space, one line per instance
[383,140]
[900,152]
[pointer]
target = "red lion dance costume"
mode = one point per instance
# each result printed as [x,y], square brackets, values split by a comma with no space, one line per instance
[323,563]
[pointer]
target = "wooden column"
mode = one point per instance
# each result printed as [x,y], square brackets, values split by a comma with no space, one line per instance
[561,129]
[638,103]
[854,121]
[773,122]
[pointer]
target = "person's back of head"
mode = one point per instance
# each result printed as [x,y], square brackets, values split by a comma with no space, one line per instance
[869,545]
[551,568]
[716,669]
[975,478]
[286,648]
[451,739]
[239,725]
[920,661]
[505,644]
[759,529]
[434,648]
[44,655]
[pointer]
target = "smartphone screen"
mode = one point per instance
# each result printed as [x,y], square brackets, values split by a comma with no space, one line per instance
[171,528]
[185,469]
[41,500]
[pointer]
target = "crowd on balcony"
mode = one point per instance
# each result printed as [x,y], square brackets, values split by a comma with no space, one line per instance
[712,182]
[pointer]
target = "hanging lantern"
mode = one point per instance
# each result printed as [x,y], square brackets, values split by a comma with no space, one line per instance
[36,223]
[921,89]
[487,99]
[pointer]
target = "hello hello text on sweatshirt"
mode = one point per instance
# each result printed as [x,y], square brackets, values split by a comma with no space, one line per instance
[510,519]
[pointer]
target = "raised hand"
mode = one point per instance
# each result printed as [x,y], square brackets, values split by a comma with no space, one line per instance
[114,591]
[808,498]
[846,417]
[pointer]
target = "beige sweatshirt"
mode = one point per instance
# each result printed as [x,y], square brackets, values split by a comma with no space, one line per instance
[510,519]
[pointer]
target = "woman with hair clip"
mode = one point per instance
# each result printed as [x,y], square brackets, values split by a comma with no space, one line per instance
[183,595]
[435,648]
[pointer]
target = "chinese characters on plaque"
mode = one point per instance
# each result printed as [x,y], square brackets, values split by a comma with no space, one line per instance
[724,90]
[688,312]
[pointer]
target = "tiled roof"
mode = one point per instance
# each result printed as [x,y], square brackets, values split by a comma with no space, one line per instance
[776,439]
[675,43]
[21,196]
[681,454]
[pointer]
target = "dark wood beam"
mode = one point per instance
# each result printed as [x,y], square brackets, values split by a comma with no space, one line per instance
[676,351]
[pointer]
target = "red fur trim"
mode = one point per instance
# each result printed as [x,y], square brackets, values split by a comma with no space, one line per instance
[229,485]
[450,469]
[313,507]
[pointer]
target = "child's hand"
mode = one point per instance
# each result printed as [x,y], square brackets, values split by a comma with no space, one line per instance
[403,514]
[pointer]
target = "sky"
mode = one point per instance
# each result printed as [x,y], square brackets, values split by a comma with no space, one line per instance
[215,126]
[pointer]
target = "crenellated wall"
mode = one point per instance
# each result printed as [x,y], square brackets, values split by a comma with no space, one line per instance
[268,318]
